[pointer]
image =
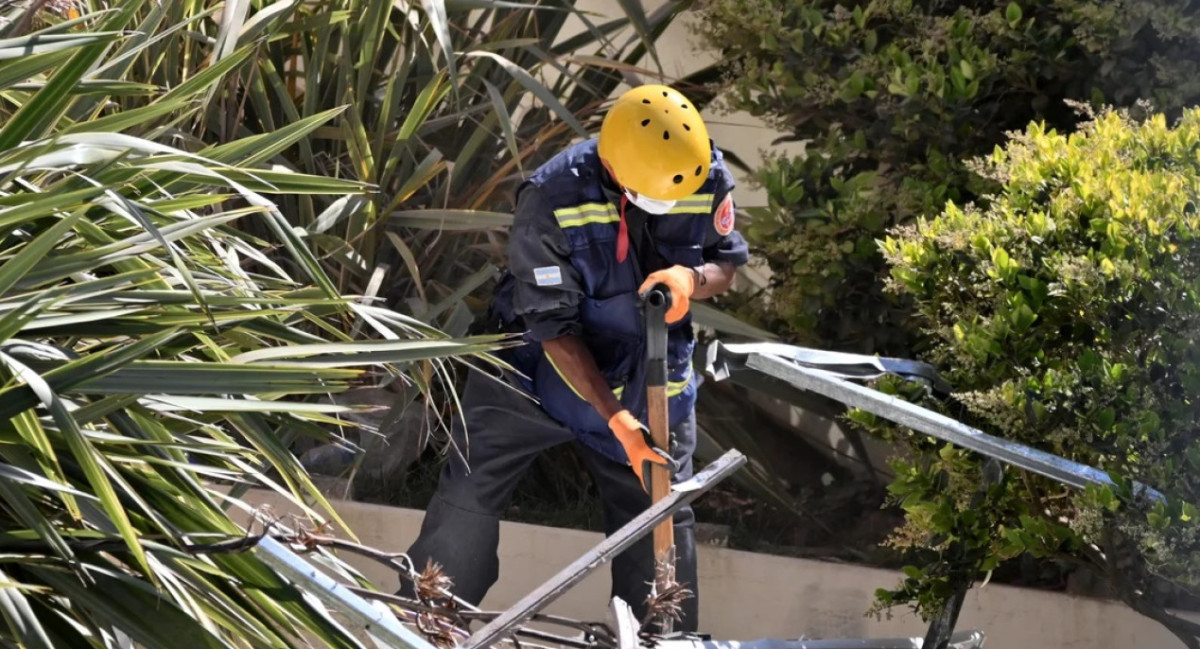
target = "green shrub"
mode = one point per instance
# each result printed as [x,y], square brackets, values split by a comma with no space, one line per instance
[1065,310]
[890,96]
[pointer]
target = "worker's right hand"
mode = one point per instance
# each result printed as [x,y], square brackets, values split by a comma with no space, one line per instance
[681,281]
[629,431]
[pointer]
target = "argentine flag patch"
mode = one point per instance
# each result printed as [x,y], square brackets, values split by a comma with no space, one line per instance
[548,276]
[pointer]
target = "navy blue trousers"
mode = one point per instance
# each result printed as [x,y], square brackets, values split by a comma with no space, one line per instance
[505,433]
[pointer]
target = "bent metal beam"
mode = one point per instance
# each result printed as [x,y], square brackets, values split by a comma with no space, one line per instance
[826,373]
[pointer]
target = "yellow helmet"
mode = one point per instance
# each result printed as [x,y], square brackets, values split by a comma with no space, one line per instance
[655,143]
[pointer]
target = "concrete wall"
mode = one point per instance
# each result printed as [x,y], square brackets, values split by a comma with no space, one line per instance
[746,596]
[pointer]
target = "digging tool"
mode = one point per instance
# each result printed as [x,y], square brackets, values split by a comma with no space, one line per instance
[657,301]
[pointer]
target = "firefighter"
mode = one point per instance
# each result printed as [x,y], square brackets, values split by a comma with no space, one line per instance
[647,201]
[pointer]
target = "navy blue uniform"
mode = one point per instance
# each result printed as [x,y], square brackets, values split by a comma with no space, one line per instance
[566,278]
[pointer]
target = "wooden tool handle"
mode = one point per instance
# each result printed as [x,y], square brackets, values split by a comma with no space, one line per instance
[660,478]
[658,302]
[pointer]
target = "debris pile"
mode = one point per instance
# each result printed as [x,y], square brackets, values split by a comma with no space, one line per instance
[435,617]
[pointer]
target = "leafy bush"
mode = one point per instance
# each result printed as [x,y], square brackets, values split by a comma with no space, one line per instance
[890,96]
[1065,310]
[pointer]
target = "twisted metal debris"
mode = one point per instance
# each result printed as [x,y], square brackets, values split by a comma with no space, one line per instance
[437,619]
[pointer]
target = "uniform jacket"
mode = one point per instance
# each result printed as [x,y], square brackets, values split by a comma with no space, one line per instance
[564,278]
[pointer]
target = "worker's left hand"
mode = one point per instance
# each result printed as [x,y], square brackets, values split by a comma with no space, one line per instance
[639,447]
[681,280]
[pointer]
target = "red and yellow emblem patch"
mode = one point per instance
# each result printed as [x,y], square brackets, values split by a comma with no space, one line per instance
[723,217]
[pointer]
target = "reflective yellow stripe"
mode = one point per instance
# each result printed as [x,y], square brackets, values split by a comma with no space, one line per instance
[572,217]
[616,391]
[562,376]
[675,388]
[696,203]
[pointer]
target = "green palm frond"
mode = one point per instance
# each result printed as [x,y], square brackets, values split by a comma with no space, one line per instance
[165,327]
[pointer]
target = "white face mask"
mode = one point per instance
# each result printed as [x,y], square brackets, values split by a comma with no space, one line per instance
[649,204]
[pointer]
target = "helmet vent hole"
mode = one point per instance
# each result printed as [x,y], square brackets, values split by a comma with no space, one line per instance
[645,122]
[664,93]
[645,101]
[683,106]
[666,135]
[699,168]
[678,178]
[686,127]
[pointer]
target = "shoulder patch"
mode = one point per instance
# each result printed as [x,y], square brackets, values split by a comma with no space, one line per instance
[548,276]
[723,217]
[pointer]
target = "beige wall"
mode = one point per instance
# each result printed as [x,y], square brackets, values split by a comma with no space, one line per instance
[746,596]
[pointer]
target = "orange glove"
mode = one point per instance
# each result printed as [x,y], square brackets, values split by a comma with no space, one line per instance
[681,280]
[628,430]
